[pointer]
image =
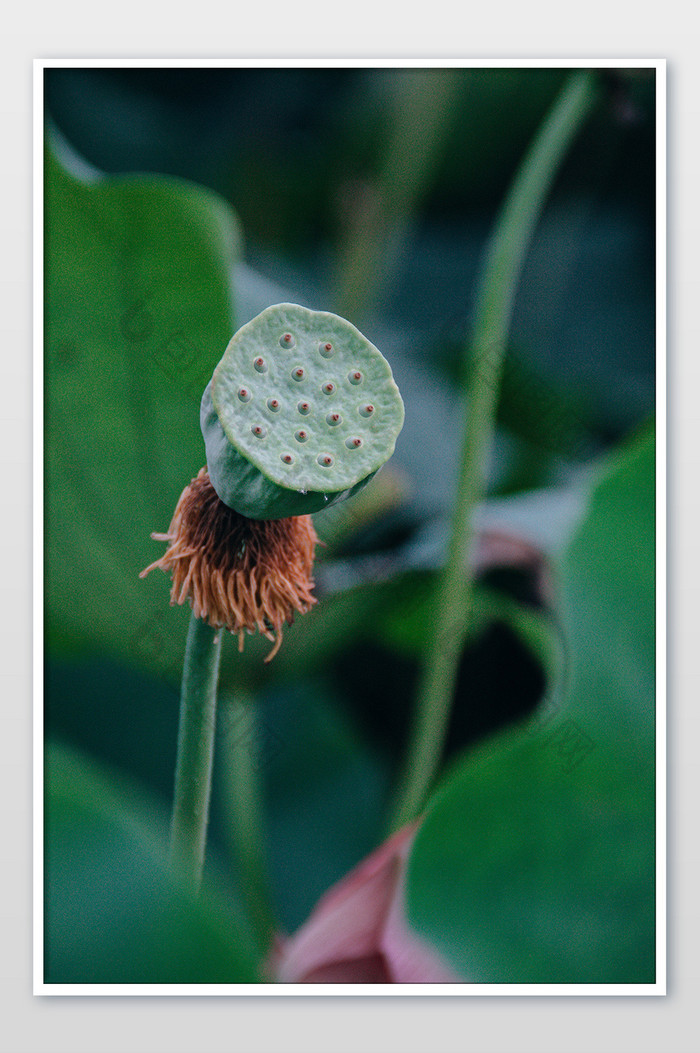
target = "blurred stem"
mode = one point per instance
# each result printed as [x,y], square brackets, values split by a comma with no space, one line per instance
[244,798]
[195,750]
[493,311]
[382,207]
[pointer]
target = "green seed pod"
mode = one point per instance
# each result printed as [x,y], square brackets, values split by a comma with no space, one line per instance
[302,410]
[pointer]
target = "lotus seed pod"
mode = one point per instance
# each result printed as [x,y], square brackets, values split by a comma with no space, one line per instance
[302,411]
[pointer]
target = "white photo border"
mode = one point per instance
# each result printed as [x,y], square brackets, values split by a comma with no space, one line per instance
[466,990]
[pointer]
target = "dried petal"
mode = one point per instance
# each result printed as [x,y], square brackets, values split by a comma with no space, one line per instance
[244,574]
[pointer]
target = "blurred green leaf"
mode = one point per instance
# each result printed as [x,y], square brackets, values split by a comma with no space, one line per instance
[535,863]
[325,790]
[138,311]
[337,623]
[113,912]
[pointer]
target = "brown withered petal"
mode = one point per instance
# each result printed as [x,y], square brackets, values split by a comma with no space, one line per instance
[244,574]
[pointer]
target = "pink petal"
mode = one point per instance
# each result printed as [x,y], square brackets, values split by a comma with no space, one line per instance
[372,970]
[347,923]
[410,960]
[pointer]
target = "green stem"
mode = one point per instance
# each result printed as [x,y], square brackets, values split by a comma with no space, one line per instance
[244,797]
[494,306]
[195,750]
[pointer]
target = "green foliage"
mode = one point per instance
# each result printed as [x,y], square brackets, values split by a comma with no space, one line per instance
[138,310]
[535,863]
[326,790]
[113,912]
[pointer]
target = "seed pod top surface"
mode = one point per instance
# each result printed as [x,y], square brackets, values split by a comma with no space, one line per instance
[308,402]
